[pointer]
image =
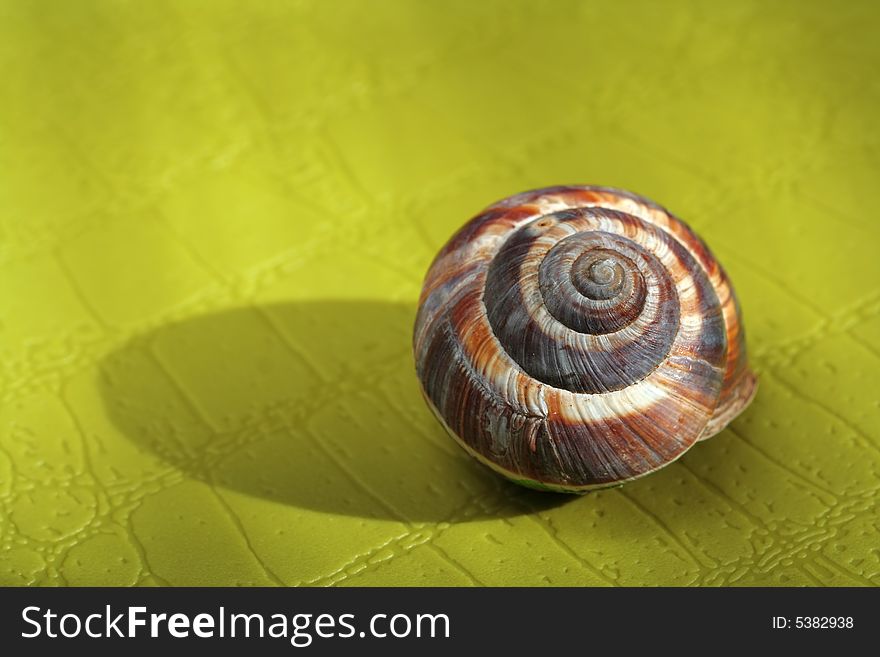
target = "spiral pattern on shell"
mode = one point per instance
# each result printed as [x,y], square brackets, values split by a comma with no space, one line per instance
[579,337]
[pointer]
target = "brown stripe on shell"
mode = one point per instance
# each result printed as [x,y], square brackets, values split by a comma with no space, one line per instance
[617,449]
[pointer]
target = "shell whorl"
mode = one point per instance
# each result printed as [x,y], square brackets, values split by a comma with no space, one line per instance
[578,337]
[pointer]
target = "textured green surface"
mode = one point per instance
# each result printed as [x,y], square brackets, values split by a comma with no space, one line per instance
[215,218]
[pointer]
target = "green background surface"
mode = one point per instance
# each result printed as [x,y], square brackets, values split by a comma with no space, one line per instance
[214,222]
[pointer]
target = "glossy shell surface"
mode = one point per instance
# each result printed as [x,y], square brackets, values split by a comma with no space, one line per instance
[578,337]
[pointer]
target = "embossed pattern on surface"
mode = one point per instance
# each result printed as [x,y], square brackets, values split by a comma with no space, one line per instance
[215,218]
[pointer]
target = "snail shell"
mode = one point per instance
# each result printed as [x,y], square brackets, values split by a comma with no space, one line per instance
[573,338]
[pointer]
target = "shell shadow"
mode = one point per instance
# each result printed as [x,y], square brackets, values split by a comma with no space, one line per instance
[314,404]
